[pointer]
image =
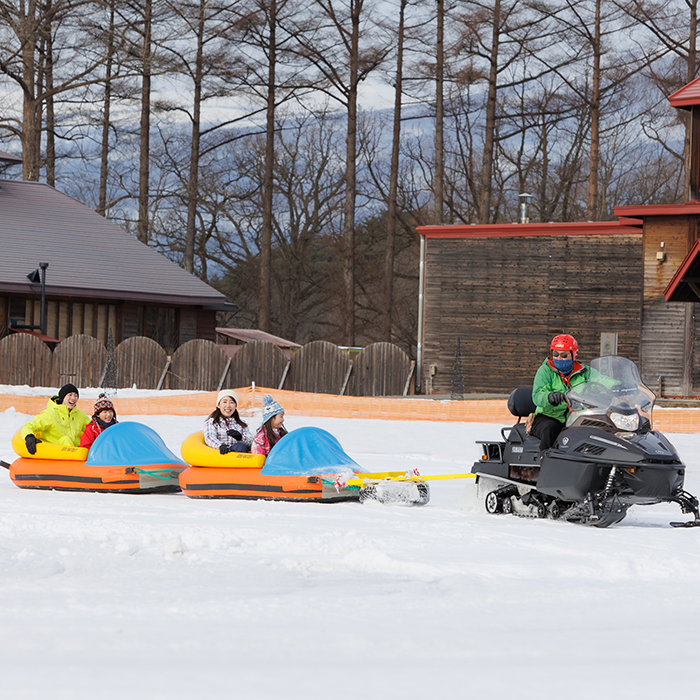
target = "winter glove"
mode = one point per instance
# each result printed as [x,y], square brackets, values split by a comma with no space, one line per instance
[225,449]
[556,397]
[234,434]
[31,441]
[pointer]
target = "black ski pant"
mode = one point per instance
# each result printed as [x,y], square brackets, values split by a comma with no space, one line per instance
[547,429]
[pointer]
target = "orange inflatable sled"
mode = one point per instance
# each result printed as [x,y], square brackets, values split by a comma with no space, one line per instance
[126,458]
[247,476]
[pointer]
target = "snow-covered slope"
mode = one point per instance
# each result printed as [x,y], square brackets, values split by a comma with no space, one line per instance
[160,596]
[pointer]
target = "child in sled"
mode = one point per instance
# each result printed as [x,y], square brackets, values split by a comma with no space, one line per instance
[61,423]
[272,429]
[224,429]
[103,416]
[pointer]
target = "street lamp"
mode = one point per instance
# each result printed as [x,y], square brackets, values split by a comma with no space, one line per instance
[37,277]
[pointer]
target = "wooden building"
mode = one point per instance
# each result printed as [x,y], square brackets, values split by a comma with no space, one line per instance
[630,286]
[670,338]
[99,277]
[505,291]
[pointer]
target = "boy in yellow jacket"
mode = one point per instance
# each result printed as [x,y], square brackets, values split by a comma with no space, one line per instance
[62,423]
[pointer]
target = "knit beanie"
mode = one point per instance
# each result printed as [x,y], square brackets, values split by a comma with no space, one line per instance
[270,408]
[224,393]
[103,404]
[65,390]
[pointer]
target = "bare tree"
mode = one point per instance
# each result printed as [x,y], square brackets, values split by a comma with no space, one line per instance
[201,50]
[501,44]
[439,111]
[673,30]
[31,30]
[271,79]
[308,199]
[342,62]
[146,60]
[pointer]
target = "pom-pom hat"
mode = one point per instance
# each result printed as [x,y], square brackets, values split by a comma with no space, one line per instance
[103,404]
[224,393]
[270,408]
[65,390]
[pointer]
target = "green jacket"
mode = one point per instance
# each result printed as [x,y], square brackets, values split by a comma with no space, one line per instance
[57,424]
[548,379]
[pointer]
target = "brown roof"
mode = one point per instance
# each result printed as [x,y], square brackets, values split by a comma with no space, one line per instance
[8,158]
[88,255]
[247,335]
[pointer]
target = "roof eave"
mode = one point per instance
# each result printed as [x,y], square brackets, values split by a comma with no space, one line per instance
[639,211]
[577,228]
[674,290]
[117,295]
[687,96]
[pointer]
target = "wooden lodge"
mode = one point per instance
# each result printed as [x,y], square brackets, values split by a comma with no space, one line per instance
[98,278]
[505,291]
[630,287]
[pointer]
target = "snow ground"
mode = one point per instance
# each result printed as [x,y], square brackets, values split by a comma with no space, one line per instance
[161,596]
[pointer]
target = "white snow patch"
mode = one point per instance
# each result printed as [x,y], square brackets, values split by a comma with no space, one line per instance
[160,596]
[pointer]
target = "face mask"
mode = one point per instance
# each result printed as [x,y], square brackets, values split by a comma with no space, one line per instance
[564,366]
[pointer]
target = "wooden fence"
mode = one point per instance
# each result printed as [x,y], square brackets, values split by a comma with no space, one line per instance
[80,360]
[24,359]
[199,364]
[257,362]
[381,369]
[141,361]
[319,367]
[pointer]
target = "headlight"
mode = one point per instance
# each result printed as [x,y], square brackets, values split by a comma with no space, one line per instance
[624,421]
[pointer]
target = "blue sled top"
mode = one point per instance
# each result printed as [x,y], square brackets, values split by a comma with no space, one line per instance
[307,451]
[130,444]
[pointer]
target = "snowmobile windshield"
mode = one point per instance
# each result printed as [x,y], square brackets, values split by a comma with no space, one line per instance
[615,389]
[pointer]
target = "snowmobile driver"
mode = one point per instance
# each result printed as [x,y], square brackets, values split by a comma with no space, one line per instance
[557,374]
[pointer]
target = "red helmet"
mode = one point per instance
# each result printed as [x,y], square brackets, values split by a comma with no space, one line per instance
[565,342]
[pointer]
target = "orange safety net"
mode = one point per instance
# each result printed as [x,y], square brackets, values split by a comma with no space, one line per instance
[296,403]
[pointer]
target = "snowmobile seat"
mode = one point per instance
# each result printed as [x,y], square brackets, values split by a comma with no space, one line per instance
[520,402]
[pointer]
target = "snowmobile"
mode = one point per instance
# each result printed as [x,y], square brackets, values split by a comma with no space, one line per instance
[606,459]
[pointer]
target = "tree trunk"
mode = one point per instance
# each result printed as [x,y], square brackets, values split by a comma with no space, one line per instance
[351,180]
[104,153]
[439,112]
[50,115]
[265,300]
[142,227]
[31,107]
[393,185]
[593,213]
[490,120]
[193,179]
